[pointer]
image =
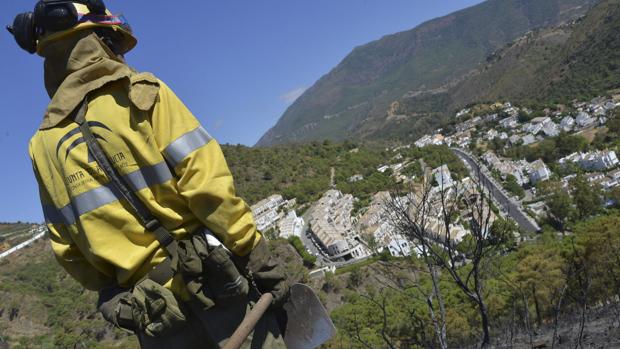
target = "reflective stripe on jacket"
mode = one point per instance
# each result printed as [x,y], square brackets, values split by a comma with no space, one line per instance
[168,159]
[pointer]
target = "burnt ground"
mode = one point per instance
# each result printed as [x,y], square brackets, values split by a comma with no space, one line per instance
[602,330]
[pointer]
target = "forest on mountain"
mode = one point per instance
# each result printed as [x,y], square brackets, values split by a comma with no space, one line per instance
[303,171]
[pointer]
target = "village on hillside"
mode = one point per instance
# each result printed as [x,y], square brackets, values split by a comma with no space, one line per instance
[490,141]
[494,137]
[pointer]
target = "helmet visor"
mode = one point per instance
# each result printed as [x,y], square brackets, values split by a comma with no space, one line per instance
[118,20]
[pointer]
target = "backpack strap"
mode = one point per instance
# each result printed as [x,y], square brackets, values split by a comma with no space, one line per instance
[146,218]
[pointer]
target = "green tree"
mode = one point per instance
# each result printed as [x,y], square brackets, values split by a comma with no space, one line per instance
[587,197]
[513,187]
[614,195]
[614,125]
[502,233]
[568,144]
[308,259]
[355,278]
[600,242]
[382,318]
[560,203]
[540,274]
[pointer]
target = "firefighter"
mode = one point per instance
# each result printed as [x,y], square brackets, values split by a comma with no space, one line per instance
[193,295]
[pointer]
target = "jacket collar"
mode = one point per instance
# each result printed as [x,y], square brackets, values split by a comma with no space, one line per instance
[75,67]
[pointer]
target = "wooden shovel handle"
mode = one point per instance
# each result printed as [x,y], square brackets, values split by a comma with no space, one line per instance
[249,322]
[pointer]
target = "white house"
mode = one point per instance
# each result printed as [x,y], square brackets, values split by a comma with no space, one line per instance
[359,251]
[609,105]
[539,172]
[355,178]
[514,140]
[567,123]
[291,225]
[512,111]
[266,212]
[443,177]
[602,160]
[463,112]
[598,110]
[490,158]
[528,139]
[509,122]
[491,134]
[490,117]
[541,120]
[423,142]
[399,246]
[532,128]
[383,168]
[516,171]
[551,129]
[593,161]
[615,175]
[584,120]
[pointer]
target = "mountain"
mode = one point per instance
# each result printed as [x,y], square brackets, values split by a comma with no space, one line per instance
[578,60]
[359,98]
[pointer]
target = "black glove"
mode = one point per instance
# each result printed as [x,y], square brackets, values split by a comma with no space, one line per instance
[266,273]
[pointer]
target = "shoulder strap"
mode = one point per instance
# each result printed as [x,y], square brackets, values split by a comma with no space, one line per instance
[144,215]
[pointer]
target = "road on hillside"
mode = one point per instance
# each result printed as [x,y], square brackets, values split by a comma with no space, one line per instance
[511,206]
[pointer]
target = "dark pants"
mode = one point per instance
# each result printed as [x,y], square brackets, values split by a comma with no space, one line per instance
[212,328]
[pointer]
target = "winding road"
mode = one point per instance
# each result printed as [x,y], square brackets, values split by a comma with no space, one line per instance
[511,206]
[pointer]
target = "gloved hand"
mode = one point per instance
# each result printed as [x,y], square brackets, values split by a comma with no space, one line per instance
[149,308]
[115,306]
[155,309]
[266,273]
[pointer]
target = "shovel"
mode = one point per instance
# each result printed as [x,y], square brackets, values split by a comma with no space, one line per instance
[308,324]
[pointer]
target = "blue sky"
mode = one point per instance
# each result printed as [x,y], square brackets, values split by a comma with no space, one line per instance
[236,64]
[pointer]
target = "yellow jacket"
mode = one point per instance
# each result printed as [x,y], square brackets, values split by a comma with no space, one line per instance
[172,163]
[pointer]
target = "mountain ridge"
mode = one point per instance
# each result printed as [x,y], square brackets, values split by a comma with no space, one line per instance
[351,100]
[551,65]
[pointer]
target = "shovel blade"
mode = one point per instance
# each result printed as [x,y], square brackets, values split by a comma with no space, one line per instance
[308,324]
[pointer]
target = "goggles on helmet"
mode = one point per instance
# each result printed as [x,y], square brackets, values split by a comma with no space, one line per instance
[52,18]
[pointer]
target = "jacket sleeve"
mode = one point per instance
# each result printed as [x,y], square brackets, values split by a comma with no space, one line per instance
[204,178]
[66,252]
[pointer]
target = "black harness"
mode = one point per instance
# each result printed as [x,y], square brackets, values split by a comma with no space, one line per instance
[163,272]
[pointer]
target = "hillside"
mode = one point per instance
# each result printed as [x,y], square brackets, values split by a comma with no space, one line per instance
[43,307]
[357,297]
[303,171]
[579,60]
[355,100]
[13,234]
[299,171]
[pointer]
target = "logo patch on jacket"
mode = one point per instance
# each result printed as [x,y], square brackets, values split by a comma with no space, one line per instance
[75,143]
[82,175]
